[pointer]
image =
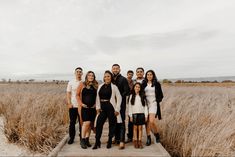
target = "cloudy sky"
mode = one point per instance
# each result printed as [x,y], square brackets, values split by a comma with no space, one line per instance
[176,38]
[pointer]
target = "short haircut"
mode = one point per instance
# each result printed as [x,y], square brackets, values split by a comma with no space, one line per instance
[78,68]
[140,68]
[130,71]
[116,65]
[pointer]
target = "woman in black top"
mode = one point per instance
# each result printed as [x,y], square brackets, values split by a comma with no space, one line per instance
[108,104]
[86,96]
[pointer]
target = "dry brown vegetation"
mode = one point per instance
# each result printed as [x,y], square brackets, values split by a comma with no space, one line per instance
[36,115]
[197,120]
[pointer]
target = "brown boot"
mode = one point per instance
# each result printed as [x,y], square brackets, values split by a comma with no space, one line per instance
[135,143]
[122,145]
[140,144]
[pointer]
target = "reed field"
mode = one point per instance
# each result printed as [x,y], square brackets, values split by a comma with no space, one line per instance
[196,120]
[35,114]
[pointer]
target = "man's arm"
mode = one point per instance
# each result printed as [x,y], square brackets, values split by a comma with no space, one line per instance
[126,88]
[69,103]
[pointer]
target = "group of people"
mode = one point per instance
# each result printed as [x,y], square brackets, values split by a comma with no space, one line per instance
[92,104]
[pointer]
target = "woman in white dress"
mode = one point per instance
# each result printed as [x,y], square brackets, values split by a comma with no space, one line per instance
[154,96]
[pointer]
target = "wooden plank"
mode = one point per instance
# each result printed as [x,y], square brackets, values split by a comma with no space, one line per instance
[154,150]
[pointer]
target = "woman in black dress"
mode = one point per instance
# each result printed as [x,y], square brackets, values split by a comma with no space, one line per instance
[108,103]
[86,97]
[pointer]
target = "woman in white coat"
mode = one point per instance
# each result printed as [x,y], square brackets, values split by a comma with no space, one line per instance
[108,102]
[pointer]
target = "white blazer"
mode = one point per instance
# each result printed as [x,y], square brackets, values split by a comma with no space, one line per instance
[116,100]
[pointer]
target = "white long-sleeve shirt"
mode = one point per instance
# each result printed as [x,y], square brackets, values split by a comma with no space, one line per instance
[137,107]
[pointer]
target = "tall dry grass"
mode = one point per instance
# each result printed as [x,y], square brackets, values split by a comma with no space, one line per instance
[198,121]
[35,115]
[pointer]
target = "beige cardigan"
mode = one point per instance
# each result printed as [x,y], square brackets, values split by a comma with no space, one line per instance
[116,100]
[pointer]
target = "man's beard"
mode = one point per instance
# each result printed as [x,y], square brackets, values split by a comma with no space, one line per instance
[115,75]
[139,78]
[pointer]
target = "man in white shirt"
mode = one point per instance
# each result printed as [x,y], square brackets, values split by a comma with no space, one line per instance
[73,104]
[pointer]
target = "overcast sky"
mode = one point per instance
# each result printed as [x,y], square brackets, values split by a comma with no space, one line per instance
[176,38]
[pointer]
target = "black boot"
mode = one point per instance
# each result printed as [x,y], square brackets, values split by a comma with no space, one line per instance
[157,136]
[87,142]
[109,143]
[71,140]
[148,142]
[83,143]
[97,145]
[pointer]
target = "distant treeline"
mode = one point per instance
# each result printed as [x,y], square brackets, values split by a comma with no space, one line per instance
[166,81]
[33,81]
[183,81]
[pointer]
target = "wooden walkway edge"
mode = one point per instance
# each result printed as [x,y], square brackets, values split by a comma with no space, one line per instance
[63,149]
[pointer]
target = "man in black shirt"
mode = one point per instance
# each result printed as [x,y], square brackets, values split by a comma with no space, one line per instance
[122,84]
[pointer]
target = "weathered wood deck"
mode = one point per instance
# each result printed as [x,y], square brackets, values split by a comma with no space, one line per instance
[148,151]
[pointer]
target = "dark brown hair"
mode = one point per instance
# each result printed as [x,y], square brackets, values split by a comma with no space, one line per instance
[94,83]
[110,73]
[78,68]
[140,68]
[130,71]
[154,77]
[141,93]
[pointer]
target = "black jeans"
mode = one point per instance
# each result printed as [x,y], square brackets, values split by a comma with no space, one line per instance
[107,112]
[73,116]
[121,128]
[130,129]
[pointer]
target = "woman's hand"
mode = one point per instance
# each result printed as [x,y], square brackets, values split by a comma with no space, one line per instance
[116,113]
[131,119]
[84,105]
[98,111]
[70,106]
[146,119]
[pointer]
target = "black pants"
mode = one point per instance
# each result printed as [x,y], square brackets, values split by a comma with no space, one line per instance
[107,112]
[121,128]
[73,116]
[130,129]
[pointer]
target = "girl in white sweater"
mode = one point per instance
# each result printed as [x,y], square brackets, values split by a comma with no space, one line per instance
[138,112]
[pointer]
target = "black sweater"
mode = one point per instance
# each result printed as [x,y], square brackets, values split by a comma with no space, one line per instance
[158,94]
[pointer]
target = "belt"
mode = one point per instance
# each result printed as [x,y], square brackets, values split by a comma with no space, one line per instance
[104,100]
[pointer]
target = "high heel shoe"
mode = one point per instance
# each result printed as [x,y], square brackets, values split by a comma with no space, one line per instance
[157,136]
[109,144]
[97,145]
[148,143]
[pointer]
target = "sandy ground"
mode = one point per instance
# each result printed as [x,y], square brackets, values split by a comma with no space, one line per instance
[9,149]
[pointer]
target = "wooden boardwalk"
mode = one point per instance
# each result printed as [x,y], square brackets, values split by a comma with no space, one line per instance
[75,149]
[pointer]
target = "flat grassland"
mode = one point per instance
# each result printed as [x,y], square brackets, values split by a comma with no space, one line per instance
[197,119]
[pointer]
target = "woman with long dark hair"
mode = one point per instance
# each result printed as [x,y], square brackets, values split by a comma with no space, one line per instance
[154,96]
[86,97]
[108,103]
